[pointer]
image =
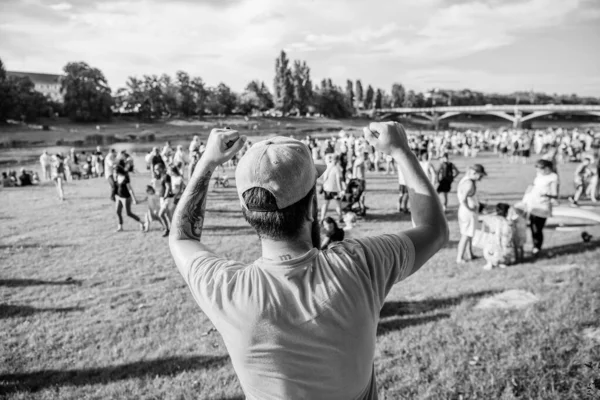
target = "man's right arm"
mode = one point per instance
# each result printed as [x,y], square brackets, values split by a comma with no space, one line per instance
[430,231]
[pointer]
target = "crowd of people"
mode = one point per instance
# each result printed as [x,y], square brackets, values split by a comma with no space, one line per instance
[347,158]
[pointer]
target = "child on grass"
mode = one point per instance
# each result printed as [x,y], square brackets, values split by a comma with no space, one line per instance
[153,207]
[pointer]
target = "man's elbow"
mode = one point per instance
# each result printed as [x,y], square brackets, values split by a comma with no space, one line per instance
[440,234]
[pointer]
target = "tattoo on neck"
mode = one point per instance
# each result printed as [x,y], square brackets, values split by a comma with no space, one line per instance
[285,257]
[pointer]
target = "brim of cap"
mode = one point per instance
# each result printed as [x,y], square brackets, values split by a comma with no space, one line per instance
[321,168]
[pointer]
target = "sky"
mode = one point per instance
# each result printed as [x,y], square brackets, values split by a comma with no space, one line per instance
[501,46]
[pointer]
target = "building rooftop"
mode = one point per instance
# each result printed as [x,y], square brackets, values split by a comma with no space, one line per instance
[36,77]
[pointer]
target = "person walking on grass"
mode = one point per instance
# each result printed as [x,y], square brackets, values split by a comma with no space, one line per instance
[300,322]
[58,175]
[538,201]
[446,175]
[162,187]
[124,196]
[468,211]
[583,175]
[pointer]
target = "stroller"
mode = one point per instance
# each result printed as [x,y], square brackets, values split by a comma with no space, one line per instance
[354,197]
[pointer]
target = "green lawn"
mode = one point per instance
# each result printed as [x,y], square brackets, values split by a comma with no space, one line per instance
[87,313]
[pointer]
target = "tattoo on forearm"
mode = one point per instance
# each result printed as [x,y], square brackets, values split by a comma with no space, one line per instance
[188,220]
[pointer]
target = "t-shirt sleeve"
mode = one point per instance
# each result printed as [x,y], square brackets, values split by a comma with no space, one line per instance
[212,280]
[388,259]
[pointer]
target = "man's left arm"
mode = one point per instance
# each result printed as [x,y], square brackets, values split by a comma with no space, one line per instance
[188,218]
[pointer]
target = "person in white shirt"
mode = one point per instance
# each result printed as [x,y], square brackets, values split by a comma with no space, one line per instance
[538,201]
[167,153]
[195,144]
[110,163]
[45,163]
[332,186]
[468,211]
[300,322]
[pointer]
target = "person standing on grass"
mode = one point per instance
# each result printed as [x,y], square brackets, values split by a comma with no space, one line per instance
[124,196]
[109,163]
[300,322]
[45,163]
[162,187]
[538,201]
[403,196]
[468,211]
[332,186]
[58,175]
[446,175]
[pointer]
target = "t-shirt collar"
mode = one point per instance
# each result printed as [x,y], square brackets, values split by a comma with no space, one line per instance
[287,264]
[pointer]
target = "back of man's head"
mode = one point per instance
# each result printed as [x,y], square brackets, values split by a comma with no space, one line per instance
[276,184]
[284,224]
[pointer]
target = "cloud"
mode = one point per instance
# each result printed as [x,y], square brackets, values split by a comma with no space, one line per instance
[234,41]
[450,31]
[61,7]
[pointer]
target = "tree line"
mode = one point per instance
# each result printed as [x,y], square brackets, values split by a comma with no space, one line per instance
[88,97]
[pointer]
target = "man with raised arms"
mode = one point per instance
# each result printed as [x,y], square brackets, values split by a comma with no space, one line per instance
[300,322]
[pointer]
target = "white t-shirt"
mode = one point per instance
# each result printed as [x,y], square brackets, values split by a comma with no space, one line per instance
[332,178]
[304,328]
[538,204]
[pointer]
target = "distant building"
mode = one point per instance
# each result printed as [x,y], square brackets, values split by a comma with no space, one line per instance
[46,84]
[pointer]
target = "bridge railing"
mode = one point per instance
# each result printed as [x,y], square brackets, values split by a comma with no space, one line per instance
[487,108]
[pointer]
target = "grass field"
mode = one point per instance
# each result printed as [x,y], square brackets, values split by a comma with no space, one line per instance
[87,313]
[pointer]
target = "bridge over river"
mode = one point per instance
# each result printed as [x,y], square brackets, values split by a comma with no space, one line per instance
[517,114]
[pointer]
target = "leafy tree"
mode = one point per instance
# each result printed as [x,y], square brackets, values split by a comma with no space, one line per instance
[256,97]
[350,93]
[169,94]
[398,95]
[410,99]
[303,90]
[283,85]
[368,101]
[221,100]
[359,92]
[87,94]
[200,94]
[331,102]
[187,101]
[378,99]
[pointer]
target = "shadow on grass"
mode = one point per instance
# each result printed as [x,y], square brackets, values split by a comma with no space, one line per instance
[34,282]
[11,310]
[400,308]
[397,324]
[34,246]
[397,315]
[386,217]
[567,249]
[452,244]
[38,380]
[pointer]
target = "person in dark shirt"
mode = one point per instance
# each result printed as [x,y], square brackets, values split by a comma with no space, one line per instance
[446,175]
[124,196]
[25,178]
[333,233]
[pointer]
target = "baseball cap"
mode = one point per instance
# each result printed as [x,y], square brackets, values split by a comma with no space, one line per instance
[479,169]
[281,165]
